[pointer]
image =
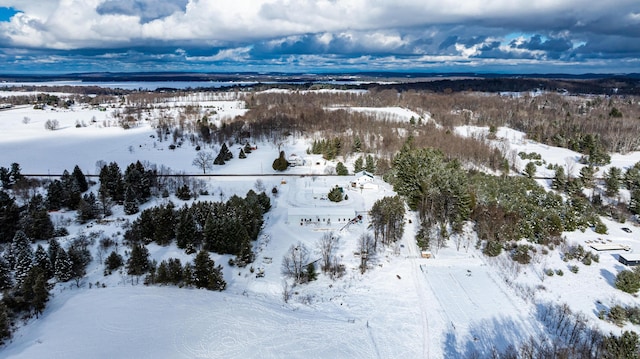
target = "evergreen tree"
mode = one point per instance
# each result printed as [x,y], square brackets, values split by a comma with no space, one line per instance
[247,148]
[587,176]
[138,262]
[358,165]
[111,183]
[40,291]
[130,201]
[89,208]
[35,221]
[52,251]
[139,180]
[530,169]
[63,266]
[357,145]
[80,179]
[341,170]
[559,179]
[113,262]
[5,276]
[5,324]
[41,259]
[612,181]
[80,258]
[370,164]
[311,272]
[184,192]
[71,194]
[206,274]
[55,195]
[9,217]
[242,155]
[335,195]
[224,151]
[23,254]
[187,235]
[280,163]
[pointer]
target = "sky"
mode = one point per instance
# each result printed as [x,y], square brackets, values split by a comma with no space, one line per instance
[499,36]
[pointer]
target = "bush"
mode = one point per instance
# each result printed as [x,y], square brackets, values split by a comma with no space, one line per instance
[52,125]
[586,260]
[549,272]
[559,272]
[618,315]
[335,195]
[628,281]
[521,254]
[492,248]
[574,269]
[601,228]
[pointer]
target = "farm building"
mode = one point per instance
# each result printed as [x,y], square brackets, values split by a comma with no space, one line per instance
[629,259]
[363,180]
[325,216]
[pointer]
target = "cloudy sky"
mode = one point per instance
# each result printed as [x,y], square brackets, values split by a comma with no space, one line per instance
[506,36]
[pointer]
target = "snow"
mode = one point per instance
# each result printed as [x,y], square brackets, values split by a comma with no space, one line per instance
[451,305]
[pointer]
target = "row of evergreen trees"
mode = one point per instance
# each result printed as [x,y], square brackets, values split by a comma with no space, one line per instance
[221,227]
[504,209]
[26,276]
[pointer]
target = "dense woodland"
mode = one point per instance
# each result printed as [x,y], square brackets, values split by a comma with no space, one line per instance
[438,174]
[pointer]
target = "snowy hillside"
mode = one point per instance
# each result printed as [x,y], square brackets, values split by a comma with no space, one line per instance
[457,303]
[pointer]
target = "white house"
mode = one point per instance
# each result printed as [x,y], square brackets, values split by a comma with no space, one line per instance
[295,160]
[320,216]
[363,180]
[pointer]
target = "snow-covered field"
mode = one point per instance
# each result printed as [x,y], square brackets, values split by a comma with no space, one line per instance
[405,306]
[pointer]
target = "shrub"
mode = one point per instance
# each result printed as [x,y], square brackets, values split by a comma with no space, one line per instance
[549,272]
[492,248]
[601,228]
[628,281]
[559,272]
[618,315]
[586,260]
[335,195]
[574,269]
[521,254]
[52,125]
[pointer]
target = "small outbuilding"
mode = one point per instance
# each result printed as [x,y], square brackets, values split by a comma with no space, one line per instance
[363,180]
[629,259]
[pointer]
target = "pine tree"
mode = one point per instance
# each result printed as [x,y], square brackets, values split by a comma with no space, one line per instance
[280,163]
[559,181]
[80,179]
[341,170]
[358,165]
[89,208]
[5,276]
[113,262]
[40,292]
[63,266]
[186,230]
[23,254]
[247,148]
[242,155]
[9,217]
[138,262]
[205,273]
[586,176]
[5,324]
[42,260]
[55,195]
[370,164]
[612,181]
[52,251]
[36,222]
[530,169]
[224,151]
[130,201]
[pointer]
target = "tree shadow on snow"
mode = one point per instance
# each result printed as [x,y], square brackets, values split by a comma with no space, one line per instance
[485,338]
[608,276]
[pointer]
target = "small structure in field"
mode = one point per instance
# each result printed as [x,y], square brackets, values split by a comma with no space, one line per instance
[363,180]
[604,246]
[629,259]
[426,254]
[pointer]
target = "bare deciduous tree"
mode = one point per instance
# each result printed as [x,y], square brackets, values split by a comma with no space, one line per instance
[204,161]
[327,246]
[295,262]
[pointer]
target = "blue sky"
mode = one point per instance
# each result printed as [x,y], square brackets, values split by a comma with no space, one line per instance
[504,36]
